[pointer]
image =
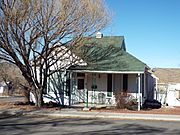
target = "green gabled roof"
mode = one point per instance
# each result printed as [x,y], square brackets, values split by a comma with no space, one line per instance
[108,58]
[117,41]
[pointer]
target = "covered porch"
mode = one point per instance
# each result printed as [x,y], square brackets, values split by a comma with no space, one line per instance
[99,87]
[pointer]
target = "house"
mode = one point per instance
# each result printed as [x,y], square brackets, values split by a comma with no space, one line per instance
[99,68]
[168,86]
[3,88]
[107,68]
[113,69]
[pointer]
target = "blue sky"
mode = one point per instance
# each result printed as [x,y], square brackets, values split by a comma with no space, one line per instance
[151,29]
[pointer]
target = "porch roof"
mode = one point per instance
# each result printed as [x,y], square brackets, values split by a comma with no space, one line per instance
[108,72]
[105,57]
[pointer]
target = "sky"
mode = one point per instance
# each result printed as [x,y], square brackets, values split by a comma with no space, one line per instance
[151,29]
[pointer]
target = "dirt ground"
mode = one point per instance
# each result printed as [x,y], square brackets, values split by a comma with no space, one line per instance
[13,102]
[12,105]
[162,110]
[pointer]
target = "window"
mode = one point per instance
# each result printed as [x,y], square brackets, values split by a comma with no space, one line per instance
[80,75]
[125,82]
[109,85]
[80,84]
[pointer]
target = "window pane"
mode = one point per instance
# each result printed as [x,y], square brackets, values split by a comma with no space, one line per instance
[80,75]
[125,82]
[80,84]
[109,85]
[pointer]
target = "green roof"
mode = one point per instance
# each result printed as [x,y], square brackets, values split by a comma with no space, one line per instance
[117,41]
[107,57]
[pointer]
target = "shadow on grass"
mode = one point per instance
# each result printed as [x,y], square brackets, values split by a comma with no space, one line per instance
[10,114]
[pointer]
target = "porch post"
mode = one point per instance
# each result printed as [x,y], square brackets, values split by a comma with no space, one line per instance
[145,95]
[70,87]
[139,92]
[64,78]
[86,90]
[156,88]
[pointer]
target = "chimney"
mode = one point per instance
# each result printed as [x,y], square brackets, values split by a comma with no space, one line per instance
[99,35]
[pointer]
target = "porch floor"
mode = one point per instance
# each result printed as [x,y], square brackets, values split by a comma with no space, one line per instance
[92,105]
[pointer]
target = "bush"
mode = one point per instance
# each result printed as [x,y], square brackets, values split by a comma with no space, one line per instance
[153,104]
[120,99]
[125,100]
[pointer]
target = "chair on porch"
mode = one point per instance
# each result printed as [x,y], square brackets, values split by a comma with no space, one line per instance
[101,98]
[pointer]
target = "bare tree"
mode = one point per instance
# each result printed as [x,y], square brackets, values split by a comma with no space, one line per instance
[32,30]
[12,77]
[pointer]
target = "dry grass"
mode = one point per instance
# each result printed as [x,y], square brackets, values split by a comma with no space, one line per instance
[24,106]
[13,106]
[163,110]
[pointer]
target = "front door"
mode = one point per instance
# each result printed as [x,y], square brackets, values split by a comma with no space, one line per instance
[80,87]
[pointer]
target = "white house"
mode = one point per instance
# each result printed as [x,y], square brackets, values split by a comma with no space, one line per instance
[105,68]
[168,90]
[173,95]
[2,88]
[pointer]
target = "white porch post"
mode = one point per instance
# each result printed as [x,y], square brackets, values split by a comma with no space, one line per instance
[86,108]
[156,88]
[145,95]
[74,87]
[139,92]
[64,78]
[70,87]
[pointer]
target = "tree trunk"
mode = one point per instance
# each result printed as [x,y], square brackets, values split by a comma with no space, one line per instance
[39,98]
[26,94]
